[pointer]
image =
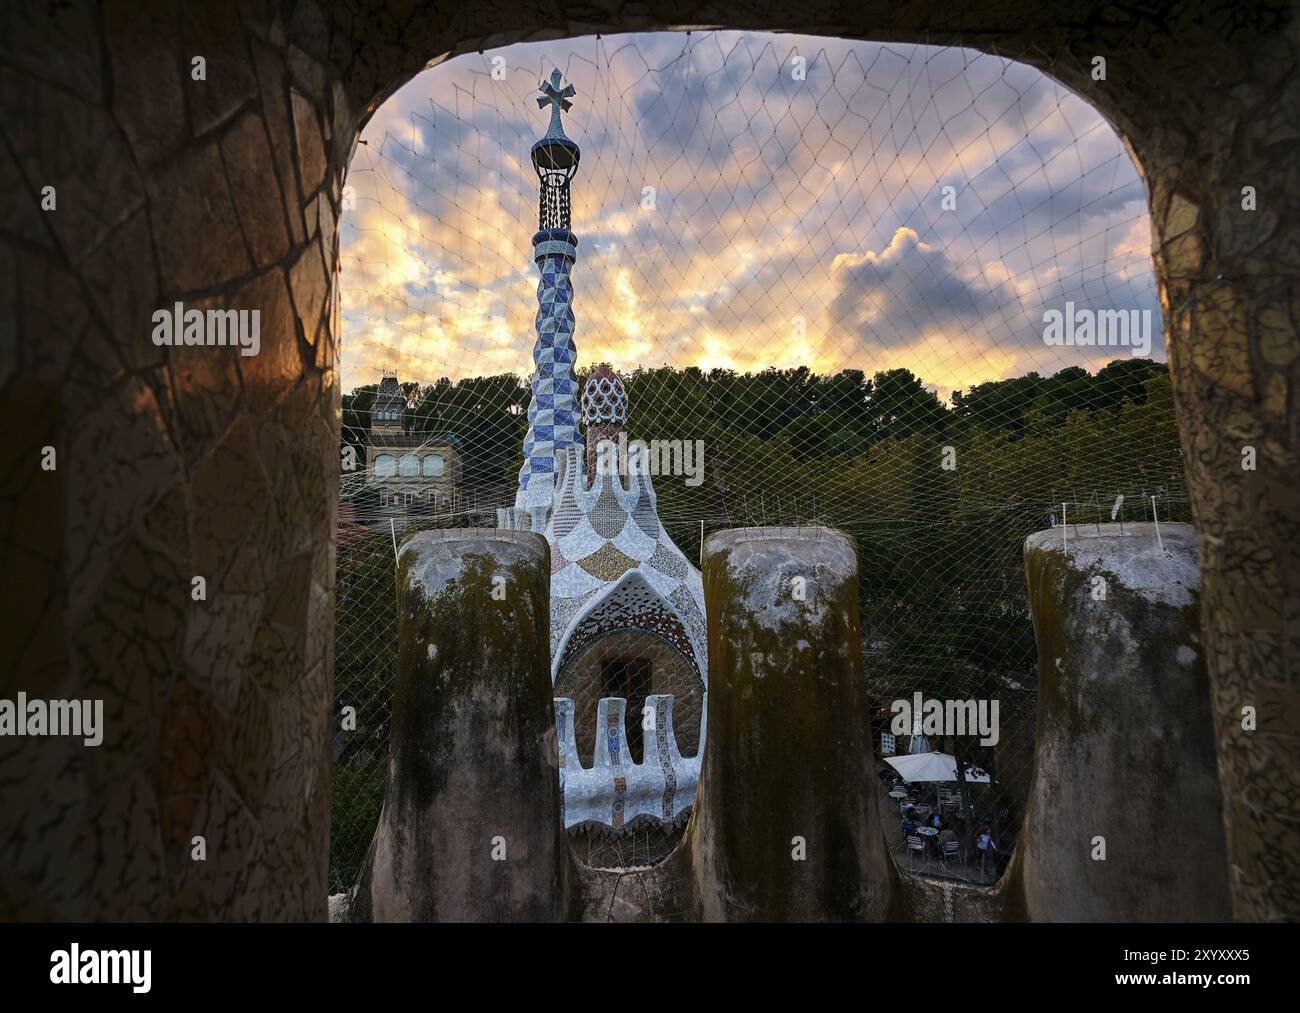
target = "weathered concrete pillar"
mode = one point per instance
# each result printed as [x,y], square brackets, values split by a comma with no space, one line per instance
[786,825]
[470,829]
[1125,754]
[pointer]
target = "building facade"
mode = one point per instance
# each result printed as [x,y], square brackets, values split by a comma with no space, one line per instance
[411,472]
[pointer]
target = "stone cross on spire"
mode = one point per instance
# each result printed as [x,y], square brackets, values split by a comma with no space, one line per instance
[557,98]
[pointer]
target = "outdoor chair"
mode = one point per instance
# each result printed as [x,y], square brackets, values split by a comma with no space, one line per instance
[951,851]
[914,845]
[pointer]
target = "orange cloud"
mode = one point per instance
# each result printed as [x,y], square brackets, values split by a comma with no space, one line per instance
[768,197]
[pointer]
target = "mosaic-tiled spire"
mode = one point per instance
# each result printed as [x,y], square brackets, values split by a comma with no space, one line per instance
[552,412]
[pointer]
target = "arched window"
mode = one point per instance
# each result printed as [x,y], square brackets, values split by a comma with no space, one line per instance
[385,465]
[433,465]
[410,465]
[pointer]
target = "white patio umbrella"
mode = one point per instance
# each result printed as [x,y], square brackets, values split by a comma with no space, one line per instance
[933,767]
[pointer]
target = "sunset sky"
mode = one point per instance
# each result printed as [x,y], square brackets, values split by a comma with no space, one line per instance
[795,222]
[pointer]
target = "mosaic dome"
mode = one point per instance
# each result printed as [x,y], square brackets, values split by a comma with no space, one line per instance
[604,399]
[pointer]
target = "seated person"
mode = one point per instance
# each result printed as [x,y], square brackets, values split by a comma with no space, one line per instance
[935,821]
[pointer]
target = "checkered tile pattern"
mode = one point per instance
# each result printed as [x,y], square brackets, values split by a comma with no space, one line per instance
[553,411]
[607,546]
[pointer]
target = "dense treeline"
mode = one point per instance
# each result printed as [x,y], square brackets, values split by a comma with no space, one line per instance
[813,416]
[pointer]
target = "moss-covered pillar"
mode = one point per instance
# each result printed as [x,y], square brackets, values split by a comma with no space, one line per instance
[470,829]
[786,825]
[1125,819]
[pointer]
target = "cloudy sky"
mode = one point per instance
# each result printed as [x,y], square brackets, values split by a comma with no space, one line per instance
[790,221]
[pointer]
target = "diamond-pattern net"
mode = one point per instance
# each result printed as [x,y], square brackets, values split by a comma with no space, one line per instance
[829,262]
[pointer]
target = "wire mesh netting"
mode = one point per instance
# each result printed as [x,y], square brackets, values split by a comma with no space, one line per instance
[831,266]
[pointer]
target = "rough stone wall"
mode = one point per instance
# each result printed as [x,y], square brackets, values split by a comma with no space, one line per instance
[182,462]
[1228,287]
[172,463]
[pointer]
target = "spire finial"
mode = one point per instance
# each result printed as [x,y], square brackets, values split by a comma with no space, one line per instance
[557,98]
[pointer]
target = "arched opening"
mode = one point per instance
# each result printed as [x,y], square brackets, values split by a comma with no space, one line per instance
[829,265]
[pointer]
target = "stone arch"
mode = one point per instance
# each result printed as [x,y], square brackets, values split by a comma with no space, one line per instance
[674,674]
[603,629]
[230,191]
